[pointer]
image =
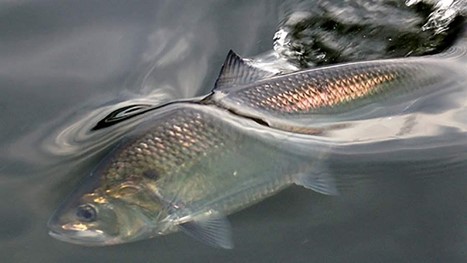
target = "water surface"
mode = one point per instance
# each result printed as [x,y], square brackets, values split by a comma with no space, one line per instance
[65,65]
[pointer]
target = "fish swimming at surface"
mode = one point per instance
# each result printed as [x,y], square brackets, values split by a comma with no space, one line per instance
[190,164]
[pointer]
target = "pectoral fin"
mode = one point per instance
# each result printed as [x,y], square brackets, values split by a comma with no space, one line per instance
[318,180]
[210,228]
[215,232]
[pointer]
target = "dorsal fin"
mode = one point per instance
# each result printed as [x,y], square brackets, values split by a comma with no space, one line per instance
[236,72]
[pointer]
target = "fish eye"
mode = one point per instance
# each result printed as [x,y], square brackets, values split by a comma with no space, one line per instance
[86,213]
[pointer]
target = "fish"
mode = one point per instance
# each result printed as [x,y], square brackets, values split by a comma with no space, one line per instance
[190,164]
[301,100]
[185,168]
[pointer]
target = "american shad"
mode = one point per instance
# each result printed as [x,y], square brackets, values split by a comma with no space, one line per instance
[190,164]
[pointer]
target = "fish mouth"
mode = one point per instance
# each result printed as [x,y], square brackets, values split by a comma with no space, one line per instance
[85,238]
[75,234]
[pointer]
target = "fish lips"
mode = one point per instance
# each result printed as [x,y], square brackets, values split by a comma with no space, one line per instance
[81,237]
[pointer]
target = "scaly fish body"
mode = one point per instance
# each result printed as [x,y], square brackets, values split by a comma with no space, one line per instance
[302,98]
[188,163]
[194,156]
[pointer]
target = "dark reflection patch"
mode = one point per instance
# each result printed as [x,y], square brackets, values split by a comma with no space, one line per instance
[122,114]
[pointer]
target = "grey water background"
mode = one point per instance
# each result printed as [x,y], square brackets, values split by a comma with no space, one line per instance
[65,64]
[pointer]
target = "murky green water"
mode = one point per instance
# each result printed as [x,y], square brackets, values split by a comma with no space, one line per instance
[65,65]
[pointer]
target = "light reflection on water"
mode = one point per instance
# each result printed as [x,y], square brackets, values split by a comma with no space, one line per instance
[411,208]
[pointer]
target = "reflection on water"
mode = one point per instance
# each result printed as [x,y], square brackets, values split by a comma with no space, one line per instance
[66,66]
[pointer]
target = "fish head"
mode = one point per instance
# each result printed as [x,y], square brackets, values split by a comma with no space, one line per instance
[116,212]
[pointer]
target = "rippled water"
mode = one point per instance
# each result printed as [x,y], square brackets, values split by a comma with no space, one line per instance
[67,65]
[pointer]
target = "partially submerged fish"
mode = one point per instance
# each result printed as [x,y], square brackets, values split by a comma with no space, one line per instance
[186,168]
[189,165]
[303,99]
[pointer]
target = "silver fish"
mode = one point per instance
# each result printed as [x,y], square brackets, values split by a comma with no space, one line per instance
[185,168]
[303,99]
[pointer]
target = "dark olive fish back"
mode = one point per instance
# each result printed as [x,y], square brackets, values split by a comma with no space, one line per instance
[183,137]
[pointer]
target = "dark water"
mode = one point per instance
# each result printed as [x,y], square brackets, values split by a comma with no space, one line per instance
[66,64]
